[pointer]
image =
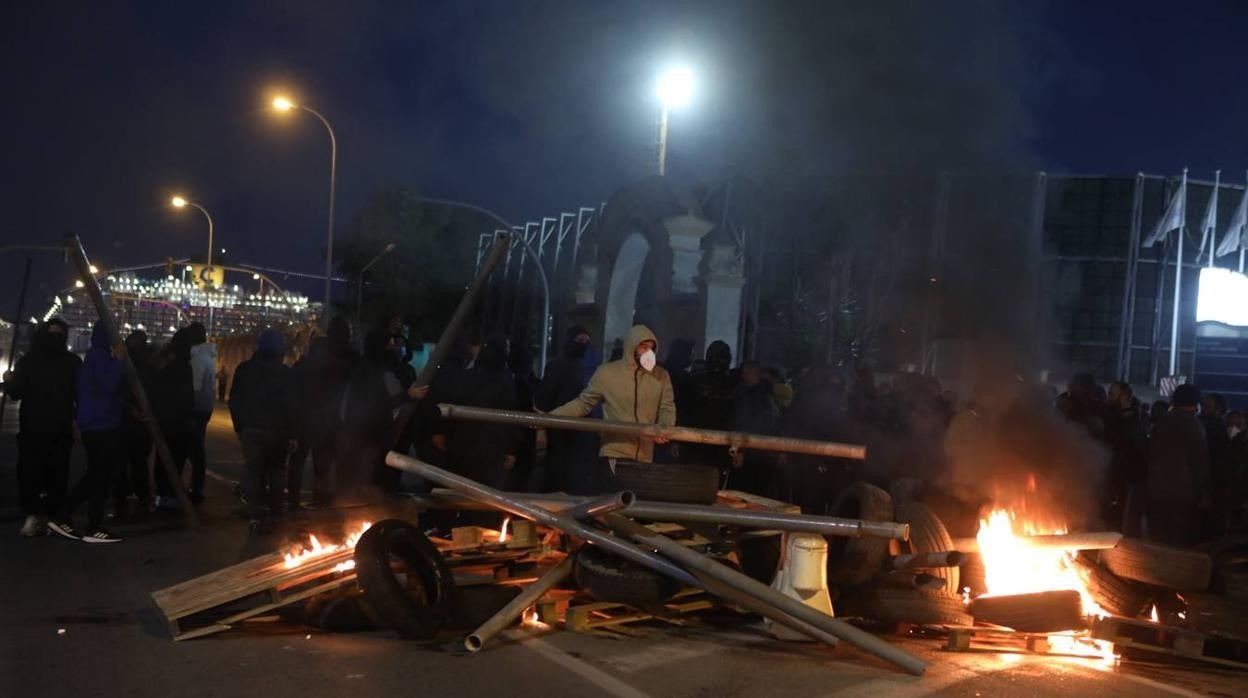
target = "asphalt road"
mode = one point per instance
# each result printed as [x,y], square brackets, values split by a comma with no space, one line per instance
[77,620]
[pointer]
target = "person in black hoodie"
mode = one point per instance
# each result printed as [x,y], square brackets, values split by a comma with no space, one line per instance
[45,383]
[1126,434]
[479,450]
[754,412]
[367,411]
[173,402]
[262,408]
[564,379]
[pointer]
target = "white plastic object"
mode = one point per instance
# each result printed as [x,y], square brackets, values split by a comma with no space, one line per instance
[803,575]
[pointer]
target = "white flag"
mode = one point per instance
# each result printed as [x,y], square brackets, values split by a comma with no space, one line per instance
[1176,214]
[1209,224]
[1232,239]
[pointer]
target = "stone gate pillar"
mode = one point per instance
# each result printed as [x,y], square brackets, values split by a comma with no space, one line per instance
[720,283]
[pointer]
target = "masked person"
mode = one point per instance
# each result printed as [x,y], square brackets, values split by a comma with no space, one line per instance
[45,383]
[99,421]
[633,389]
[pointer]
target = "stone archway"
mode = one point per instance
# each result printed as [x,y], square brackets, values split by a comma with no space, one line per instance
[625,277]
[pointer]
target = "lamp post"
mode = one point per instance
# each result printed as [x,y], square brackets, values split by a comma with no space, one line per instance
[284,105]
[674,90]
[359,297]
[181,202]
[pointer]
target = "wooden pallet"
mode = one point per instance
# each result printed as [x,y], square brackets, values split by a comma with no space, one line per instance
[735,499]
[215,602]
[965,638]
[1129,633]
[596,616]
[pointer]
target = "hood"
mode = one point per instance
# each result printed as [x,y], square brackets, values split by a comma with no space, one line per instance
[636,335]
[99,337]
[271,344]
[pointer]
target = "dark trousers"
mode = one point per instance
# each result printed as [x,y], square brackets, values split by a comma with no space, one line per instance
[264,455]
[196,454]
[138,475]
[323,448]
[43,472]
[106,456]
[178,439]
[1173,523]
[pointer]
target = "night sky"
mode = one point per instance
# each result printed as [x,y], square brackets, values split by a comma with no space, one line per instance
[531,108]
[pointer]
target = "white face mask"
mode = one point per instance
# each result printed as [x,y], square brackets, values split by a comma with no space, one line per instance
[647,360]
[1233,431]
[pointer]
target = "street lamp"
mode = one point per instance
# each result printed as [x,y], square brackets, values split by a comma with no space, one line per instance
[675,88]
[283,104]
[359,297]
[180,202]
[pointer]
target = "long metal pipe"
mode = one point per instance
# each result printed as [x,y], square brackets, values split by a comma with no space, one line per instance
[508,614]
[909,580]
[518,507]
[696,513]
[920,561]
[1093,540]
[736,439]
[767,600]
[601,506]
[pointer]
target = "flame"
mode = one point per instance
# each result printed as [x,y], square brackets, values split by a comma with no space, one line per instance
[529,619]
[1152,614]
[502,532]
[1013,567]
[315,549]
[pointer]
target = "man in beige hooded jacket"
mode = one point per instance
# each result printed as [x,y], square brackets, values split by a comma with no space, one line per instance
[632,389]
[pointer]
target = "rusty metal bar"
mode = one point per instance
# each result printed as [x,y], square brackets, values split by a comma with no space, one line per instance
[509,613]
[736,439]
[1093,540]
[685,513]
[75,251]
[920,561]
[762,598]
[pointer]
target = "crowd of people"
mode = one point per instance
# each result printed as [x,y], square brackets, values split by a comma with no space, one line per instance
[1176,470]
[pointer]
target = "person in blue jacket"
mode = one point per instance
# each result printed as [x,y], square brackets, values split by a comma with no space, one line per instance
[100,423]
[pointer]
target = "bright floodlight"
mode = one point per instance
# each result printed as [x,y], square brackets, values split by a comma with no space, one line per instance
[178,202]
[1220,297]
[676,87]
[94,269]
[283,104]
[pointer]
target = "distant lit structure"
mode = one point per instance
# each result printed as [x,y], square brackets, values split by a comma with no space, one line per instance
[159,306]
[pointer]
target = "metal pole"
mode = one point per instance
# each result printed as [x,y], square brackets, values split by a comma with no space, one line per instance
[329,236]
[601,506]
[73,247]
[487,630]
[695,513]
[17,328]
[663,140]
[1094,540]
[740,440]
[766,600]
[1213,205]
[920,561]
[1178,284]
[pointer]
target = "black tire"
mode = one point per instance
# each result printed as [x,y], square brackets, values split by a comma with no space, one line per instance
[609,577]
[423,602]
[919,606]
[929,535]
[1043,612]
[854,561]
[1159,565]
[1119,596]
[684,483]
[973,575]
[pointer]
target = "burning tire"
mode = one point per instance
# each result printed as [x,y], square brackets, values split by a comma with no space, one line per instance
[683,483]
[853,561]
[929,535]
[919,606]
[1119,596]
[418,600]
[1159,565]
[1043,612]
[609,577]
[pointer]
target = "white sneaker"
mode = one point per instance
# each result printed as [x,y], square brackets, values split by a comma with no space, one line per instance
[34,526]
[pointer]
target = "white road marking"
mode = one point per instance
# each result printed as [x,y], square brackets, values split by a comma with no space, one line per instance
[599,678]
